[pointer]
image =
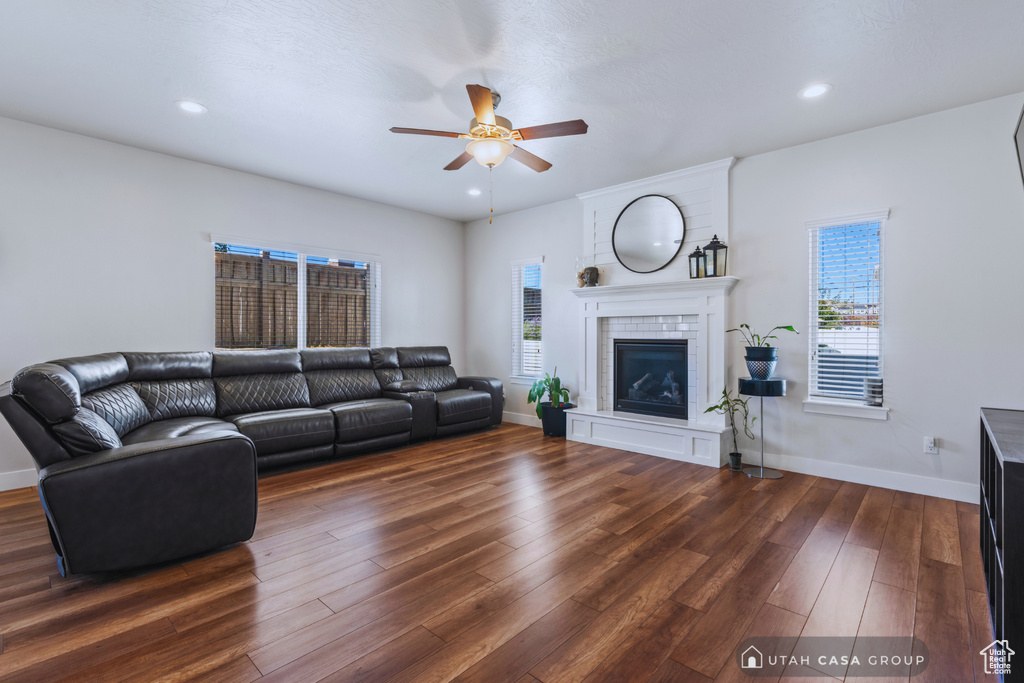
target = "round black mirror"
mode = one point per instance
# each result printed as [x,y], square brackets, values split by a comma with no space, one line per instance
[648,233]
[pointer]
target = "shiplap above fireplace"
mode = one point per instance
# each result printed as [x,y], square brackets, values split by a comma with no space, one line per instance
[665,304]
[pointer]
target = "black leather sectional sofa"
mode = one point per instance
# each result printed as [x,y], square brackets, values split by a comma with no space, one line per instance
[147,457]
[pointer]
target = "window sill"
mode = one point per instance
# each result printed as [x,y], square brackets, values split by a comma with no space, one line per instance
[520,379]
[846,409]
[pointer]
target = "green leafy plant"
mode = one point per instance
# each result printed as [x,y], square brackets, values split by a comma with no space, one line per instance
[754,339]
[733,406]
[550,385]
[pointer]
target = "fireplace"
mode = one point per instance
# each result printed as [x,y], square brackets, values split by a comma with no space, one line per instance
[651,377]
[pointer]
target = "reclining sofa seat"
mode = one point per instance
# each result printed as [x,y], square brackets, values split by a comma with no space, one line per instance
[425,375]
[147,457]
[112,499]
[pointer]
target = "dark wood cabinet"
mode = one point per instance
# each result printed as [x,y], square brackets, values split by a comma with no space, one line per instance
[1002,523]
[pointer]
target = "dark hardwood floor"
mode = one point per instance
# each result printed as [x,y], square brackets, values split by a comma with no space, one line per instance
[507,556]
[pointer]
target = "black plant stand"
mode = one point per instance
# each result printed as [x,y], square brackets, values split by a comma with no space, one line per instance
[762,388]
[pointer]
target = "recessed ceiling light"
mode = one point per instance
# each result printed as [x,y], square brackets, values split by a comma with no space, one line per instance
[473,192]
[816,90]
[190,107]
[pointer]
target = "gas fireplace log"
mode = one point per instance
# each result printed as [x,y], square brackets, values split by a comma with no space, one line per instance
[640,382]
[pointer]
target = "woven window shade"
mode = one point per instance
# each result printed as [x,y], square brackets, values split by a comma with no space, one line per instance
[256,298]
[338,303]
[527,320]
[267,299]
[846,309]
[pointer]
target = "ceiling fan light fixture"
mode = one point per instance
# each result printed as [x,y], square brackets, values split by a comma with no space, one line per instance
[489,151]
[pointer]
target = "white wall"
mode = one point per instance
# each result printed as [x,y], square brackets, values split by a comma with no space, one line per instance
[952,316]
[103,247]
[953,335]
[551,231]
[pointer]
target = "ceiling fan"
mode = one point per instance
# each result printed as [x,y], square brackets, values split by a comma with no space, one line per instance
[490,136]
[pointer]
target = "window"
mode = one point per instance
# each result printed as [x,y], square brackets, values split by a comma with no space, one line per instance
[846,310]
[274,299]
[527,321]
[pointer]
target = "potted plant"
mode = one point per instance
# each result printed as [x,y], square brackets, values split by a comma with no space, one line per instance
[734,406]
[552,411]
[761,355]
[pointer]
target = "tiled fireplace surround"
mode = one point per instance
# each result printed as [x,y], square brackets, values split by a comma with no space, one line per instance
[694,310]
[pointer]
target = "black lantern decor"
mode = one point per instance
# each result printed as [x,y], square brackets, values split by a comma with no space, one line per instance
[696,264]
[714,258]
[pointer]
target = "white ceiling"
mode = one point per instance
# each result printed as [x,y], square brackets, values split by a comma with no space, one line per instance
[305,90]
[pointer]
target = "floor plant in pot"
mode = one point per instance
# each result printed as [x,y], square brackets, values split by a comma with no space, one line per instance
[552,411]
[761,356]
[733,407]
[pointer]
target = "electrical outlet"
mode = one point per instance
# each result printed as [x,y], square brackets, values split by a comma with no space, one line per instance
[930,445]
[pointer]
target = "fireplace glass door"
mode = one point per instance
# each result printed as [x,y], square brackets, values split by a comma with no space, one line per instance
[650,377]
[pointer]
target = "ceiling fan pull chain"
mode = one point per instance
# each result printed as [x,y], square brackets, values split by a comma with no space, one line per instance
[490,175]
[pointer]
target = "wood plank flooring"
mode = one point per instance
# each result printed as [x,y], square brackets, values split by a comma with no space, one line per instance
[507,556]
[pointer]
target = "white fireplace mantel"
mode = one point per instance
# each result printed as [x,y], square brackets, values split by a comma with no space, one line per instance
[698,439]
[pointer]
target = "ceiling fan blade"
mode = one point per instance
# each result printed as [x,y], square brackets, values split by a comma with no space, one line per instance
[459,162]
[531,160]
[422,131]
[554,130]
[483,105]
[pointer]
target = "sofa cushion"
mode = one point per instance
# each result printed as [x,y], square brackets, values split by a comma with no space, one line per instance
[358,420]
[462,405]
[226,363]
[350,358]
[177,397]
[50,390]
[332,386]
[239,395]
[278,431]
[86,432]
[385,364]
[165,366]
[177,426]
[96,372]
[120,406]
[430,366]
[434,378]
[423,356]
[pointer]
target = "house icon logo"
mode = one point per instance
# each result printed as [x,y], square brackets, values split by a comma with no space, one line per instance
[751,658]
[997,657]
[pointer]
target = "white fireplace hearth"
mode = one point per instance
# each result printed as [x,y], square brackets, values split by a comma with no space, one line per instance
[694,310]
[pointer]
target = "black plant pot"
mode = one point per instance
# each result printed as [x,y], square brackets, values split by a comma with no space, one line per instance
[553,418]
[736,462]
[761,361]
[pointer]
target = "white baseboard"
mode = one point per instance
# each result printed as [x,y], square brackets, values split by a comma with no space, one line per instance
[520,419]
[18,479]
[900,481]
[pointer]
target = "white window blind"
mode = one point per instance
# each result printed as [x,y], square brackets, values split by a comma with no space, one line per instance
[846,307]
[527,319]
[268,299]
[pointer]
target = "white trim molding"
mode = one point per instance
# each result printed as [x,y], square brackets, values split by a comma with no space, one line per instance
[845,409]
[849,219]
[869,476]
[520,419]
[19,479]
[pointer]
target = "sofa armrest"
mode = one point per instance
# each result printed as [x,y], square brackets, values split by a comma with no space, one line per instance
[424,411]
[150,502]
[492,386]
